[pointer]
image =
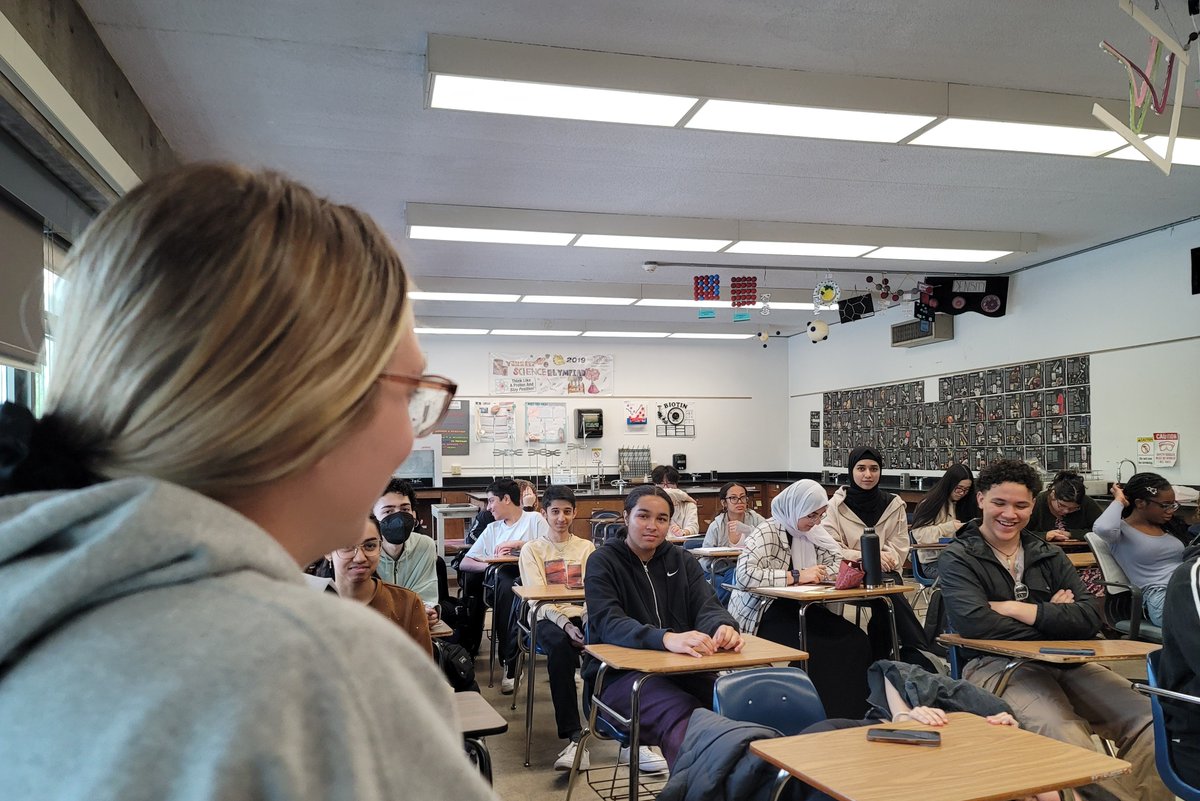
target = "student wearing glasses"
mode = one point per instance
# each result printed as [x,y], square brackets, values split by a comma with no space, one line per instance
[942,512]
[236,377]
[729,530]
[1144,537]
[354,579]
[1064,511]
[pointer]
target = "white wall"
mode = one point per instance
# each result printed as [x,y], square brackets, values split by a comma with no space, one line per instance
[738,391]
[1129,305]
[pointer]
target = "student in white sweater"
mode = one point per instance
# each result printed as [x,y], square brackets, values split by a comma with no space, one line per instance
[560,559]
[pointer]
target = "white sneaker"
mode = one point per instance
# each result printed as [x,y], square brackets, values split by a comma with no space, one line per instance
[566,758]
[648,761]
[507,684]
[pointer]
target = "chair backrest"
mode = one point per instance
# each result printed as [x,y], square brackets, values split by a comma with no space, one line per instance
[1162,743]
[918,570]
[783,698]
[1109,569]
[605,526]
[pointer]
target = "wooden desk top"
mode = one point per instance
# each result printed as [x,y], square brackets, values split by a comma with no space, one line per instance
[717,553]
[1106,650]
[680,540]
[928,546]
[1081,559]
[476,717]
[975,762]
[547,592]
[440,629]
[500,560]
[756,651]
[1066,545]
[825,592]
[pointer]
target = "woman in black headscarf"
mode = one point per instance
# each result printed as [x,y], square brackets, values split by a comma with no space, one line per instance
[861,505]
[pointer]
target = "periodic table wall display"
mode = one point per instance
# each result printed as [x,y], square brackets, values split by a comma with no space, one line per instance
[1035,411]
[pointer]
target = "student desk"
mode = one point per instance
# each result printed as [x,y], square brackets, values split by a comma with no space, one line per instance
[1021,651]
[755,652]
[477,719]
[494,563]
[536,595]
[1082,560]
[449,511]
[715,553]
[825,594]
[977,761]
[674,540]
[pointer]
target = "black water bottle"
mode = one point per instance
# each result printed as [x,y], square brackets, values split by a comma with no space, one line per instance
[868,546]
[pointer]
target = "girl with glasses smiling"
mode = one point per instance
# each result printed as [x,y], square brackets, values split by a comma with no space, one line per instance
[236,377]
[1144,536]
[728,530]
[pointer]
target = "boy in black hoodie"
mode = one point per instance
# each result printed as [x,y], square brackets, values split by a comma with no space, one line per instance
[643,592]
[1001,582]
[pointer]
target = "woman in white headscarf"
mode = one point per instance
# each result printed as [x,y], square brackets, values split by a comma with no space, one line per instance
[790,548]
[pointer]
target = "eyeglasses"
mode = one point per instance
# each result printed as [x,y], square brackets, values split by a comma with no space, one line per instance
[817,515]
[430,401]
[736,498]
[368,548]
[1166,507]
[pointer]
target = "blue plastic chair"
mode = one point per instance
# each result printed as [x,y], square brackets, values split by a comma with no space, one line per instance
[1162,744]
[783,698]
[926,582]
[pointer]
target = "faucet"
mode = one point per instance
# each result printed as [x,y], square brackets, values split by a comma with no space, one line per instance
[1123,461]
[620,485]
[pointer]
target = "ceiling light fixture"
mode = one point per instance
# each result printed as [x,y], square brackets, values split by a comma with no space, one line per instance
[651,243]
[627,334]
[463,331]
[761,248]
[465,297]
[1021,137]
[710,336]
[816,123]
[540,332]
[936,254]
[489,235]
[1187,151]
[581,300]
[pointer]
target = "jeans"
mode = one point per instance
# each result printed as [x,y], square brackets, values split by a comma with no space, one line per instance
[1152,602]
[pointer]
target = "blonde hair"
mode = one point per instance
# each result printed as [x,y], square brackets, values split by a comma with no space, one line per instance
[222,328]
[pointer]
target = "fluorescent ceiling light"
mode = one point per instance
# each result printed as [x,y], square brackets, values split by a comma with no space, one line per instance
[1187,151]
[763,248]
[540,332]
[651,243]
[1021,137]
[936,254]
[492,235]
[626,334]
[467,297]
[563,102]
[450,330]
[817,123]
[679,303]
[582,300]
[711,336]
[798,306]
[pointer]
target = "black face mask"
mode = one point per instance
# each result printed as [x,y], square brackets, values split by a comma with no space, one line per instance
[397,527]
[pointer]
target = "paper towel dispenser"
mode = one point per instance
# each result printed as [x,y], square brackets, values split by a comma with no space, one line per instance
[589,423]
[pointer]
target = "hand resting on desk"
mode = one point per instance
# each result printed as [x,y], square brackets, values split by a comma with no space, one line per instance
[697,643]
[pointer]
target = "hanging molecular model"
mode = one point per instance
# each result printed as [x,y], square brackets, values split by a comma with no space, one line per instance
[706,287]
[743,290]
[826,293]
[887,293]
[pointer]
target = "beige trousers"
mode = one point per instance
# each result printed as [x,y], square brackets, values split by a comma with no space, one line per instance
[1069,704]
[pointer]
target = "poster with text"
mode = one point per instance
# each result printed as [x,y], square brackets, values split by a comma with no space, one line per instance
[546,422]
[567,374]
[1166,449]
[455,429]
[495,421]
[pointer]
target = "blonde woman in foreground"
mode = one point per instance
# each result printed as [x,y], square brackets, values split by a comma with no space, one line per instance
[236,378]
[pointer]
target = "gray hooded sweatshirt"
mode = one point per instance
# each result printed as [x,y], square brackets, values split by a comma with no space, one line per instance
[155,644]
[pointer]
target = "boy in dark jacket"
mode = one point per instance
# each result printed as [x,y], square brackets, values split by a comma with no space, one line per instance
[643,592]
[1001,582]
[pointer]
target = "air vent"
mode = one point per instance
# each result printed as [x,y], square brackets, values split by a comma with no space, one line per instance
[914,333]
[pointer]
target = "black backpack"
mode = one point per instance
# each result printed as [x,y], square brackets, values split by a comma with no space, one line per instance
[456,662]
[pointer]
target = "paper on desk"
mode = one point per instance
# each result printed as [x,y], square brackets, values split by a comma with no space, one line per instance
[809,588]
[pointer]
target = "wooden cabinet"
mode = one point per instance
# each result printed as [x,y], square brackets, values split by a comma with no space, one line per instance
[586,507]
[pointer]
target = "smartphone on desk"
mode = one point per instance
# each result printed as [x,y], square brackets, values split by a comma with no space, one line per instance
[904,736]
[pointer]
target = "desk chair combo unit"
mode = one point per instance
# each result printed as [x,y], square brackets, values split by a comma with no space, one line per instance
[494,563]
[654,664]
[924,581]
[1122,600]
[477,720]
[1162,743]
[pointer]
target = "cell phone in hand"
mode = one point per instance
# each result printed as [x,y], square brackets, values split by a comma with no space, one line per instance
[1068,651]
[904,737]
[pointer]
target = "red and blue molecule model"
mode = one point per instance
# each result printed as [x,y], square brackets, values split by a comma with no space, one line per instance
[706,287]
[743,290]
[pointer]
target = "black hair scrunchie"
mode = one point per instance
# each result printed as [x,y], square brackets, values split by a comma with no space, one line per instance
[38,454]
